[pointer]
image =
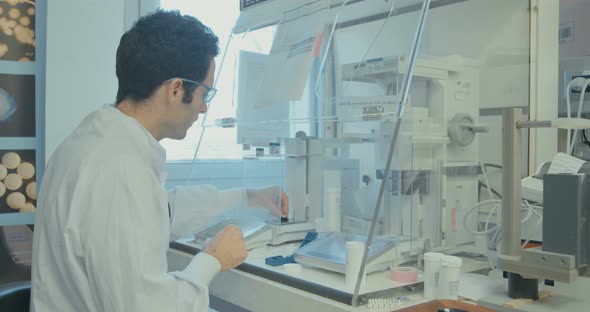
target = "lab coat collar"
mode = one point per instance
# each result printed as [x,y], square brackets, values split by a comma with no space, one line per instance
[143,138]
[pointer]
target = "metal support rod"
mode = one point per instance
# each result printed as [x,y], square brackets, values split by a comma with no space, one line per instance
[402,105]
[533,124]
[511,187]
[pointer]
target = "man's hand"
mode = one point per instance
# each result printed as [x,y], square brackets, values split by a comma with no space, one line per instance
[271,198]
[228,247]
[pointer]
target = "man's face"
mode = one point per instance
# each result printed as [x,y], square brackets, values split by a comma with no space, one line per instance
[189,112]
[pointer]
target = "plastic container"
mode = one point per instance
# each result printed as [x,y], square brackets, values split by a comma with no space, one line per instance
[432,264]
[450,273]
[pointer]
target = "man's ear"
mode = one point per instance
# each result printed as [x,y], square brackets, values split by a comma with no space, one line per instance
[175,90]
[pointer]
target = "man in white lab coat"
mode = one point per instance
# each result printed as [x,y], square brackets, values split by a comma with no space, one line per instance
[103,223]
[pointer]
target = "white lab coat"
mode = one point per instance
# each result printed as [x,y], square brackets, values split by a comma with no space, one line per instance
[102,226]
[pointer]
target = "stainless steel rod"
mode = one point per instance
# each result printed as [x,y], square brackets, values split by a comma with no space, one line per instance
[533,124]
[402,105]
[511,183]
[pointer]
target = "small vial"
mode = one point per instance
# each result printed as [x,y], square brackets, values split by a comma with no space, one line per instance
[228,122]
[274,148]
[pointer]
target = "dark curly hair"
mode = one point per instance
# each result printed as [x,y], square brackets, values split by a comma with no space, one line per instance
[160,46]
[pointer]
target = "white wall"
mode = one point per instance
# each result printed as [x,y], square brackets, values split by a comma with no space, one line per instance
[578,13]
[544,80]
[82,39]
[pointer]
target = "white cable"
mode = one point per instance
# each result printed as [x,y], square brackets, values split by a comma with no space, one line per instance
[580,105]
[470,211]
[492,241]
[582,94]
[577,81]
[531,207]
[495,240]
[528,215]
[487,223]
[492,246]
[568,108]
[531,232]
[490,261]
[488,187]
[485,202]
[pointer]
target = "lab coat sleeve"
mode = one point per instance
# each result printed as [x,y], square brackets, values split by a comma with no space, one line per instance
[194,206]
[126,242]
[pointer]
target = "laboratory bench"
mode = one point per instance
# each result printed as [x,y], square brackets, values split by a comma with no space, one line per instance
[255,286]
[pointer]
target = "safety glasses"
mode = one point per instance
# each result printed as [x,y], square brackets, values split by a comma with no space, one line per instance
[209,91]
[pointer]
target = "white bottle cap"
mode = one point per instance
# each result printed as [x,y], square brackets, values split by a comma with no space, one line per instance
[451,261]
[433,256]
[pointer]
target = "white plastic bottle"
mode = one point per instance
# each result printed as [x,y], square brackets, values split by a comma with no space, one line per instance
[450,272]
[332,207]
[432,264]
[354,258]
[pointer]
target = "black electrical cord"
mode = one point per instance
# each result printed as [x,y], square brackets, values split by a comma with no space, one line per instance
[585,138]
[483,185]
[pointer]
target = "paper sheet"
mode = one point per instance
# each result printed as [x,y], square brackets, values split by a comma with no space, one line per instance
[564,163]
[294,48]
[249,114]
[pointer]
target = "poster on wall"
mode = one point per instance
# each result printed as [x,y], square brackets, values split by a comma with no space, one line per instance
[18,188]
[16,245]
[17,30]
[17,105]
